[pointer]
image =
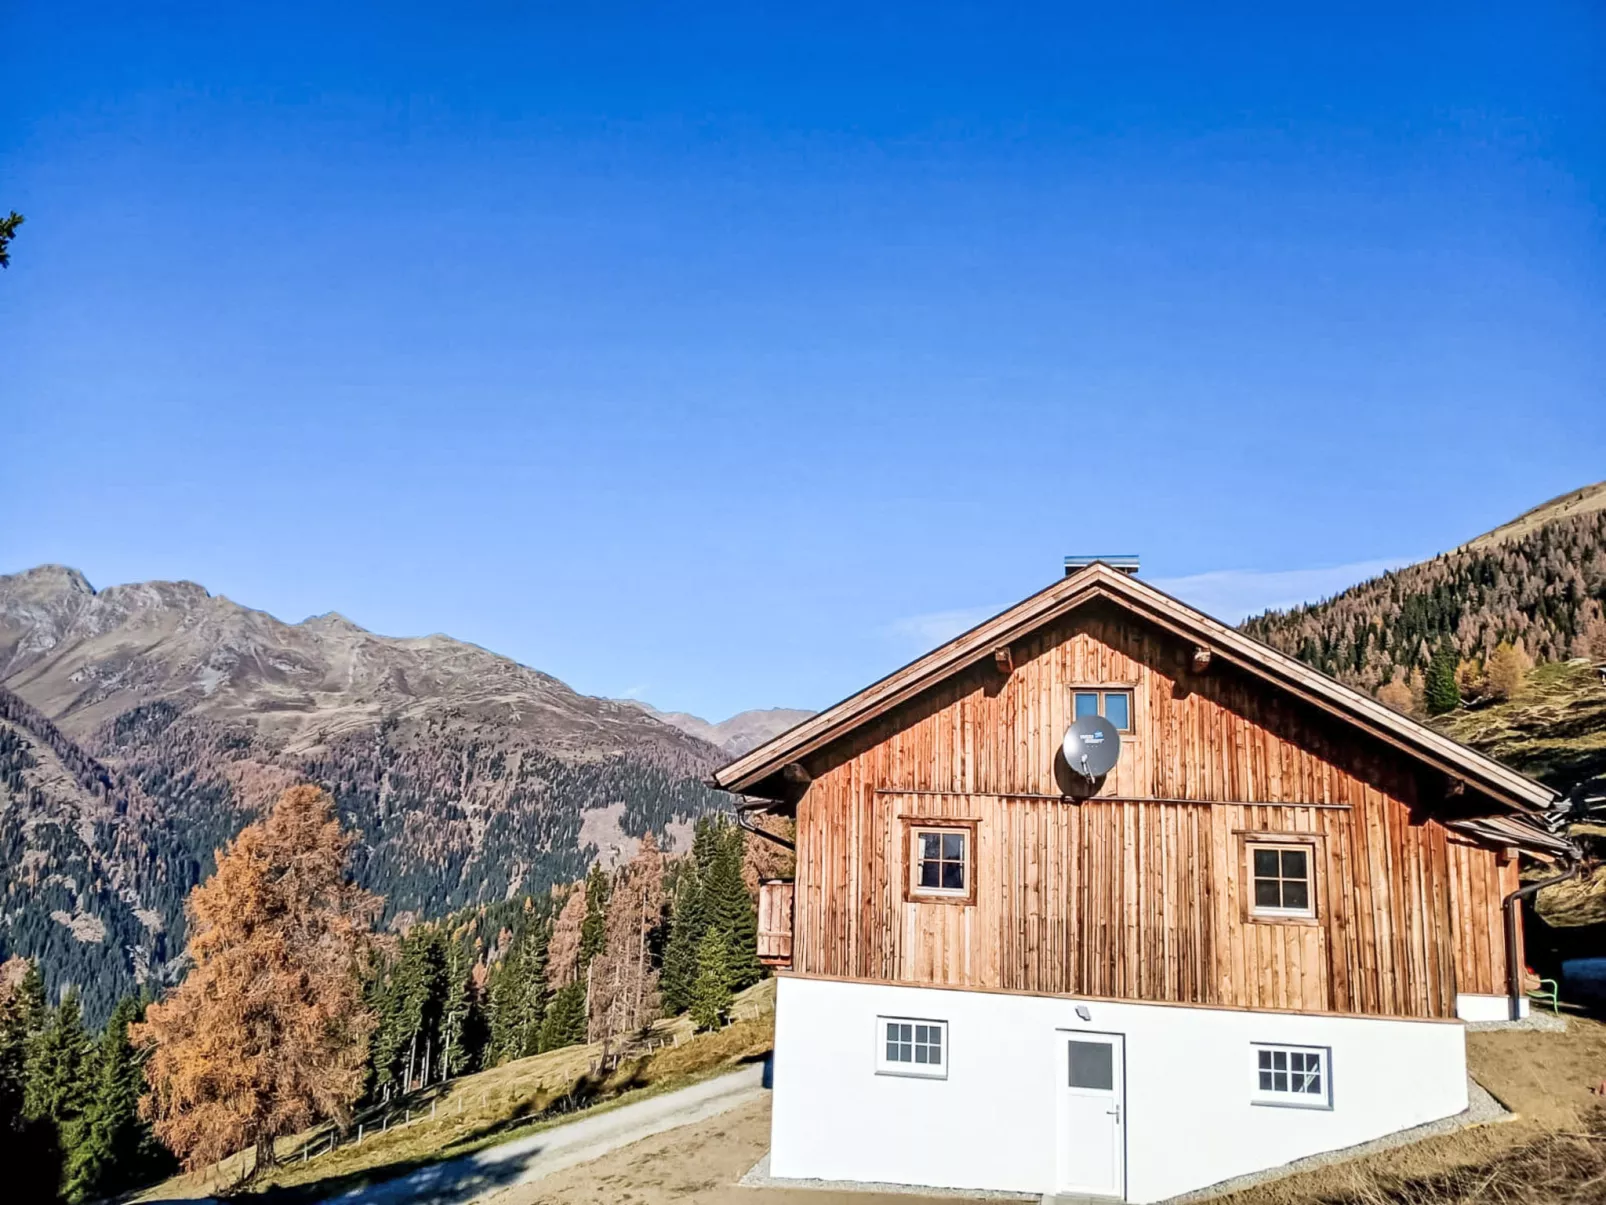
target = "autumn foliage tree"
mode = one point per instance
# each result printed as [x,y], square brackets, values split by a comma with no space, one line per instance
[1508,670]
[268,1032]
[624,975]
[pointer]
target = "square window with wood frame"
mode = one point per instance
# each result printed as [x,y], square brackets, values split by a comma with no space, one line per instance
[1283,875]
[1113,705]
[940,863]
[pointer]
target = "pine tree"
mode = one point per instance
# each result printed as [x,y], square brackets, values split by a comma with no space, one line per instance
[421,992]
[687,923]
[1442,692]
[14,1035]
[565,1022]
[711,994]
[731,909]
[532,1001]
[519,994]
[58,1059]
[267,1033]
[457,1009]
[385,1047]
[30,1150]
[594,932]
[509,983]
[109,1148]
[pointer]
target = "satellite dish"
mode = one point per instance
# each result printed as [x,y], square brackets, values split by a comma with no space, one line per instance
[1092,746]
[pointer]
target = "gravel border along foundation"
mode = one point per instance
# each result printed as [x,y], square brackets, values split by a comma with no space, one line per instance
[759,1177]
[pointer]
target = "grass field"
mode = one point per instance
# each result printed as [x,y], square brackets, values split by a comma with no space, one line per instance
[476,1111]
[1555,731]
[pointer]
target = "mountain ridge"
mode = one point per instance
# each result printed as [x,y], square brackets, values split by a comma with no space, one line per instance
[468,776]
[1539,579]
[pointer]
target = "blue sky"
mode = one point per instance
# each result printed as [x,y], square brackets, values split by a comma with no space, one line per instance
[730,356]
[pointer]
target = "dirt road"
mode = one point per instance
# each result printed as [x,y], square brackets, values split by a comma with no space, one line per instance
[698,1164]
[489,1174]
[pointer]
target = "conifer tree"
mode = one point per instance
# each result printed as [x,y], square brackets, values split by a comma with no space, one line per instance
[519,995]
[1442,691]
[711,994]
[14,1034]
[457,1015]
[687,923]
[267,1033]
[30,1150]
[594,932]
[565,1022]
[57,1064]
[109,1148]
[731,909]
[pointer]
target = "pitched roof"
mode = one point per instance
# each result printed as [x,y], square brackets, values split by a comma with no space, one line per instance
[1098,580]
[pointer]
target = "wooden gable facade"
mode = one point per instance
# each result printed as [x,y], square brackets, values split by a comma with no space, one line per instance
[1141,891]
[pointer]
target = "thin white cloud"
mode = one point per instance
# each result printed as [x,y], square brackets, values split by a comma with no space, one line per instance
[937,627]
[1231,595]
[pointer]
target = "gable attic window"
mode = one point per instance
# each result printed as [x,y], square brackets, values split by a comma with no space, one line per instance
[1113,705]
[941,866]
[1282,876]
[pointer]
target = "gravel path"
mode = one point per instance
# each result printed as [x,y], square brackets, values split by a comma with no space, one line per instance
[488,1173]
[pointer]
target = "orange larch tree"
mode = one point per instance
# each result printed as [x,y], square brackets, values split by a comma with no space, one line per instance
[267,1033]
[624,979]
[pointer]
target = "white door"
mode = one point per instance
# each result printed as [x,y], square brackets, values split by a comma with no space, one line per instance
[1092,1113]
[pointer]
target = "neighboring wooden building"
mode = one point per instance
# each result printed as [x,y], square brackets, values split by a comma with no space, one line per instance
[1270,844]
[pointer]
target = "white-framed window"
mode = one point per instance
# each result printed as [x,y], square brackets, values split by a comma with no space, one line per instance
[1283,880]
[911,1046]
[1301,1076]
[940,863]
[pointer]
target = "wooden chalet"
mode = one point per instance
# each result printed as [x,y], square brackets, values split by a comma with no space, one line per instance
[1269,842]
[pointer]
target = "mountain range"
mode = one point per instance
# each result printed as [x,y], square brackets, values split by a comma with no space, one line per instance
[142,725]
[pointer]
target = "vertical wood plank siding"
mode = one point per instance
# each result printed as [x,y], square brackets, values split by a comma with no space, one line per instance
[1122,896]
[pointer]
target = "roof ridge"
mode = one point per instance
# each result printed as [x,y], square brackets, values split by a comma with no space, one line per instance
[1507,785]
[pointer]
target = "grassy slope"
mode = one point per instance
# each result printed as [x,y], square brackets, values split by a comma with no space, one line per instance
[1556,731]
[495,1106]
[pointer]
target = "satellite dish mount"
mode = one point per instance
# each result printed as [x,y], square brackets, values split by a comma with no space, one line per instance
[1091,748]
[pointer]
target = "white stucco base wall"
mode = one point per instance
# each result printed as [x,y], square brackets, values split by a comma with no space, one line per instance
[992,1122]
[1487,1008]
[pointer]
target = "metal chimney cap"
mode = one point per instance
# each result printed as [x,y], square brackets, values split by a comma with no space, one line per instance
[1126,562]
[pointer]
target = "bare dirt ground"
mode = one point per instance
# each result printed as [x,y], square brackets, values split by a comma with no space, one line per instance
[699,1163]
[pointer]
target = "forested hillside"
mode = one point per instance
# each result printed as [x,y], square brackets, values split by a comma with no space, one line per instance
[1538,585]
[142,726]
